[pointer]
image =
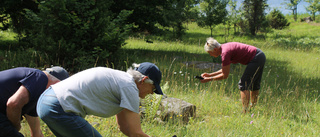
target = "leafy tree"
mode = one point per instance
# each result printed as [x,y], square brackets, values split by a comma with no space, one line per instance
[145,13]
[75,32]
[213,12]
[277,20]
[177,14]
[234,14]
[254,14]
[148,15]
[292,5]
[12,14]
[313,8]
[191,10]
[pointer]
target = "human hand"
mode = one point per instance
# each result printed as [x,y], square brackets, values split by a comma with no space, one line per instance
[205,75]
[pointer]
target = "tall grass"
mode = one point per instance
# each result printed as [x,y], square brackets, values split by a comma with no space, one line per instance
[288,104]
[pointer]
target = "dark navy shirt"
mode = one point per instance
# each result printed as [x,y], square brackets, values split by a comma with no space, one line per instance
[10,81]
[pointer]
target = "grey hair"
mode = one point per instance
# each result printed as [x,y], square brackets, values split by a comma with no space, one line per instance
[137,76]
[211,44]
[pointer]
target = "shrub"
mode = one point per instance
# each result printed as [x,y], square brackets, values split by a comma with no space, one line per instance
[299,44]
[277,20]
[73,32]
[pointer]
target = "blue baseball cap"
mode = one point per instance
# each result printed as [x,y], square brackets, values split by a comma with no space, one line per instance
[58,72]
[153,72]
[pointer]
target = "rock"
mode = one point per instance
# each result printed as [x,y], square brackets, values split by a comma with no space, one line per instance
[171,108]
[175,108]
[307,19]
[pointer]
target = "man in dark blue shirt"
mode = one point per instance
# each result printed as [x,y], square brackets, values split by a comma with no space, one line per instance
[20,89]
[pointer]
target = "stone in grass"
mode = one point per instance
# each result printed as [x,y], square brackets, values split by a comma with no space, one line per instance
[172,108]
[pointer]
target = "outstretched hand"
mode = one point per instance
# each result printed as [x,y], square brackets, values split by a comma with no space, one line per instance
[206,78]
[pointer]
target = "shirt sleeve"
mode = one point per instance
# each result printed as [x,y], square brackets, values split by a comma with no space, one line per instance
[130,99]
[35,82]
[226,59]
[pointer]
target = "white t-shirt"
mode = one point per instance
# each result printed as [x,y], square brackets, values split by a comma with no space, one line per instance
[98,91]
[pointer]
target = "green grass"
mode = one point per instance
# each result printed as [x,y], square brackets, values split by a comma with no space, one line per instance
[288,103]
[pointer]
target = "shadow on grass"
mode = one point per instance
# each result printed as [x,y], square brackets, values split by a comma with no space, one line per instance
[198,38]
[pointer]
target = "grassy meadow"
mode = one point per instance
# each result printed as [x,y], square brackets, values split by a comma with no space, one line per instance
[288,104]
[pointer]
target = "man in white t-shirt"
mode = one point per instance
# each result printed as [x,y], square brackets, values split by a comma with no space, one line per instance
[102,92]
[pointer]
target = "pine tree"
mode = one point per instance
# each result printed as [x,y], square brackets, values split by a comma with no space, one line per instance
[254,14]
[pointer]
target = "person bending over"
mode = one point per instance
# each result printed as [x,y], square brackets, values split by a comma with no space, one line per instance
[102,92]
[20,89]
[232,53]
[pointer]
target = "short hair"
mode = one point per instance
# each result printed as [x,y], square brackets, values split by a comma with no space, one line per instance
[137,76]
[211,44]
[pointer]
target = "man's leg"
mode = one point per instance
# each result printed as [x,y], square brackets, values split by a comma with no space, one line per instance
[62,124]
[245,97]
[7,129]
[260,60]
[254,97]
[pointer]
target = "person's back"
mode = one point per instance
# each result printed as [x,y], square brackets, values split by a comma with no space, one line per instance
[11,80]
[100,92]
[20,89]
[235,52]
[96,91]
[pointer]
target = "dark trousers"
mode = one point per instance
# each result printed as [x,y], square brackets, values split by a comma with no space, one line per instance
[7,129]
[252,75]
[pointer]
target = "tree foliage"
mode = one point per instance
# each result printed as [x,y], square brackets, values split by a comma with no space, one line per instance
[293,6]
[12,14]
[177,14]
[277,20]
[213,12]
[254,14]
[313,8]
[234,15]
[72,32]
[145,13]
[148,15]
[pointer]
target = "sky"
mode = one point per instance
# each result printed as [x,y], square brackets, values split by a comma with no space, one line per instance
[278,4]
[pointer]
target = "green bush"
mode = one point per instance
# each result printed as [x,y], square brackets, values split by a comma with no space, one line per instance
[277,20]
[72,32]
[306,44]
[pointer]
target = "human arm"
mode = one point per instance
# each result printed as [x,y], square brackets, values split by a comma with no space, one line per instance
[34,124]
[129,123]
[218,75]
[211,74]
[15,104]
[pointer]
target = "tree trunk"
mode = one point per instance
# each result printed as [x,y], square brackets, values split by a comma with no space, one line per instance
[295,12]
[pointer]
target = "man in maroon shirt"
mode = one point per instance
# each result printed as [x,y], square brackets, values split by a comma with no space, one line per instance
[235,52]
